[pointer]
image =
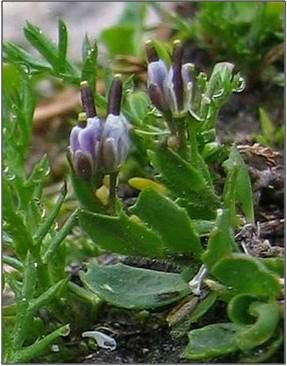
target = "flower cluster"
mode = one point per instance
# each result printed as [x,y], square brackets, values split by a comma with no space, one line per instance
[96,144]
[170,90]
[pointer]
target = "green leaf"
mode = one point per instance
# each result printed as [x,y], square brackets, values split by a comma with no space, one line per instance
[220,242]
[220,82]
[229,194]
[50,219]
[89,68]
[245,274]
[44,45]
[30,276]
[62,43]
[138,105]
[203,307]
[11,79]
[170,221]
[265,353]
[121,235]
[183,179]
[13,262]
[60,236]
[134,288]
[277,265]
[203,227]
[17,55]
[133,14]
[211,341]
[267,320]
[243,185]
[85,192]
[14,224]
[47,297]
[238,309]
[120,40]
[164,51]
[40,347]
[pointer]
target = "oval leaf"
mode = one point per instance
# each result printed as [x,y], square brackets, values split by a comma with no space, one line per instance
[134,288]
[245,274]
[211,341]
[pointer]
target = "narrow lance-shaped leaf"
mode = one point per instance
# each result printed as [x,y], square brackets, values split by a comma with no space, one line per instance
[15,226]
[17,55]
[220,242]
[62,44]
[27,354]
[243,185]
[48,222]
[89,68]
[44,45]
[229,194]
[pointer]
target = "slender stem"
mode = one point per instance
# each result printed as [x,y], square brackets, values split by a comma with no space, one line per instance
[60,236]
[86,295]
[13,262]
[180,124]
[169,122]
[113,189]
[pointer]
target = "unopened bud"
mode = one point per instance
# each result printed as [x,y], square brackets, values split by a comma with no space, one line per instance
[88,99]
[151,52]
[115,96]
[83,165]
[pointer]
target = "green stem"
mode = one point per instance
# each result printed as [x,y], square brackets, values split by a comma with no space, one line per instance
[84,294]
[13,262]
[180,124]
[61,235]
[46,226]
[112,190]
[169,121]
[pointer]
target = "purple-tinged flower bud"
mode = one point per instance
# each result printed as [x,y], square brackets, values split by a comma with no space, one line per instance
[177,79]
[88,99]
[115,96]
[115,138]
[85,146]
[156,75]
[178,85]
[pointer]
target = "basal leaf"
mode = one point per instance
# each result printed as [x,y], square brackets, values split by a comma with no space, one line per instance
[263,329]
[134,288]
[170,221]
[211,341]
[121,235]
[203,307]
[238,309]
[246,274]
